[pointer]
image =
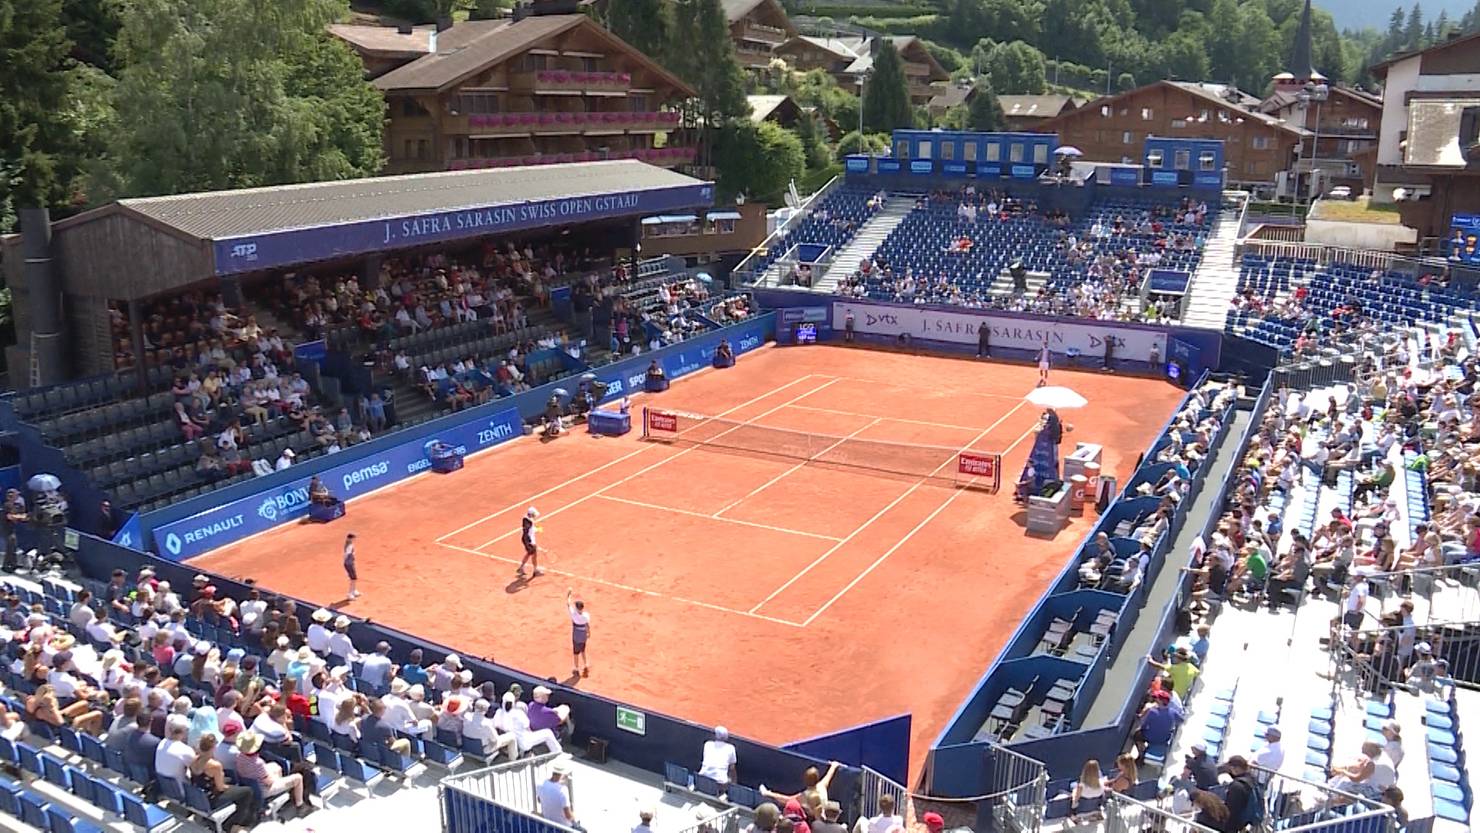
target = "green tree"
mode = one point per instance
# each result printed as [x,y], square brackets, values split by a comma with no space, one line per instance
[886,98]
[1413,30]
[756,160]
[43,149]
[643,23]
[92,25]
[814,140]
[854,142]
[985,111]
[1222,41]
[1259,45]
[1182,56]
[239,93]
[706,59]
[1072,31]
[1017,68]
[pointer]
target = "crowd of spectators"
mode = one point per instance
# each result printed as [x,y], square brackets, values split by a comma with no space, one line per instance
[129,667]
[1104,258]
[197,332]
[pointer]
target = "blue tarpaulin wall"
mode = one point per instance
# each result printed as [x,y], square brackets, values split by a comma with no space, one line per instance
[883,746]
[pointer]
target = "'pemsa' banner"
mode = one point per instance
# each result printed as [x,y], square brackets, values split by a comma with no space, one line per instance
[294,246]
[189,537]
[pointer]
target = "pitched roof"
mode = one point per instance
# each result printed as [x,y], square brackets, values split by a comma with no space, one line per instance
[865,55]
[218,215]
[736,9]
[1220,95]
[1026,106]
[953,95]
[384,40]
[762,106]
[1379,69]
[470,47]
[841,47]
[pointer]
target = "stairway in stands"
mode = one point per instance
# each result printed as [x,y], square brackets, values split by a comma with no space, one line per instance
[1216,279]
[866,241]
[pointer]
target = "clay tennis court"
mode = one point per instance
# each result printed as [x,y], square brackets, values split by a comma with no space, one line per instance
[781,598]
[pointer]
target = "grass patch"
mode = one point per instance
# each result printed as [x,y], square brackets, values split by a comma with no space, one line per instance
[1359,210]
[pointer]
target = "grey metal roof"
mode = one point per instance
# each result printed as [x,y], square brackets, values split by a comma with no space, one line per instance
[220,215]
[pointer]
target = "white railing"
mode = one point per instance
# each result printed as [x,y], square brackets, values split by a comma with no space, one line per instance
[744,269]
[511,784]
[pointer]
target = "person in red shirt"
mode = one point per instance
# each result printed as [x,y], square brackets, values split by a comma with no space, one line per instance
[297,704]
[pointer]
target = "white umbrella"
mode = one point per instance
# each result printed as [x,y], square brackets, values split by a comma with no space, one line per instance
[1058,398]
[1068,150]
[44,483]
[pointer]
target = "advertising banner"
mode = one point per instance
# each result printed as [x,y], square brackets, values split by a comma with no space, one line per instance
[921,166]
[626,378]
[312,351]
[856,164]
[1125,176]
[189,537]
[888,166]
[235,255]
[1164,178]
[960,327]
[1464,239]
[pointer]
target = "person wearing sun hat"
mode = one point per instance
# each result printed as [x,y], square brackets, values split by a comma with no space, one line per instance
[554,799]
[341,647]
[318,633]
[250,767]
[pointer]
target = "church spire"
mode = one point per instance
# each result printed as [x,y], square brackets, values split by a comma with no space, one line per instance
[1302,56]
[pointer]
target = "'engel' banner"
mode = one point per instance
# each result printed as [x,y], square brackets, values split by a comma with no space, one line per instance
[189,537]
[961,327]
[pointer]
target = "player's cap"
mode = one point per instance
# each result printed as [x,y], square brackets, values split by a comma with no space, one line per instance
[533,512]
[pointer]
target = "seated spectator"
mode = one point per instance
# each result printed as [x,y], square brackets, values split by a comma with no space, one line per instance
[479,725]
[207,773]
[1087,789]
[173,757]
[375,732]
[250,767]
[44,707]
[719,759]
[1158,722]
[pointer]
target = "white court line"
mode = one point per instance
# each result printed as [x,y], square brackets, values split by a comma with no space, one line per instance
[889,418]
[897,386]
[901,542]
[578,501]
[761,488]
[918,483]
[629,588]
[660,508]
[583,476]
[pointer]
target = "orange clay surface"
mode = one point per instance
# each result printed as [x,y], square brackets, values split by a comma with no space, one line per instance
[780,599]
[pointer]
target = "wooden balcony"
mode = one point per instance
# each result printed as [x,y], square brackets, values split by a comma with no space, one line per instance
[663,157]
[772,35]
[555,124]
[564,82]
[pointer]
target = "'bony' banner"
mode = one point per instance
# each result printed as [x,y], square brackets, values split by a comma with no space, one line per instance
[963,326]
[189,537]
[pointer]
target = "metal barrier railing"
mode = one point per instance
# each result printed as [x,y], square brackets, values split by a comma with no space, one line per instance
[745,269]
[725,821]
[1124,814]
[1370,656]
[1019,791]
[1326,255]
[463,811]
[511,784]
[874,785]
[1297,805]
[1451,593]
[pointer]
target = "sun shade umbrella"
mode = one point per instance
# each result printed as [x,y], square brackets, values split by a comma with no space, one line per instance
[44,483]
[1058,398]
[1068,150]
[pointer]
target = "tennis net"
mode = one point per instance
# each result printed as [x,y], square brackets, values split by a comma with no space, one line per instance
[938,464]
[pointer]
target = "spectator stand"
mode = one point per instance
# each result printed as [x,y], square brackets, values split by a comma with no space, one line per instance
[1029,683]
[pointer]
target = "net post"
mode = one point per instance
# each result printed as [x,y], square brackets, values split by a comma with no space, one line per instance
[645,435]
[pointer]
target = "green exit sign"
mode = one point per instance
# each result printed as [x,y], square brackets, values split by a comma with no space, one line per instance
[631,720]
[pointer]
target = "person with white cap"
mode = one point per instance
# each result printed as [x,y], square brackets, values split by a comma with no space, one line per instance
[341,647]
[318,633]
[1392,733]
[527,534]
[479,726]
[349,564]
[444,673]
[1424,670]
[554,798]
[399,713]
[1272,756]
[719,758]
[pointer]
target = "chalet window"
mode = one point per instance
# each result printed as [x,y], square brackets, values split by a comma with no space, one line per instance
[1179,122]
[639,103]
[479,104]
[422,148]
[1182,159]
[1106,112]
[533,63]
[1224,117]
[1015,152]
[1260,143]
[1154,158]
[1127,137]
[590,64]
[1202,116]
[1040,154]
[1147,114]
[410,108]
[1205,160]
[410,147]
